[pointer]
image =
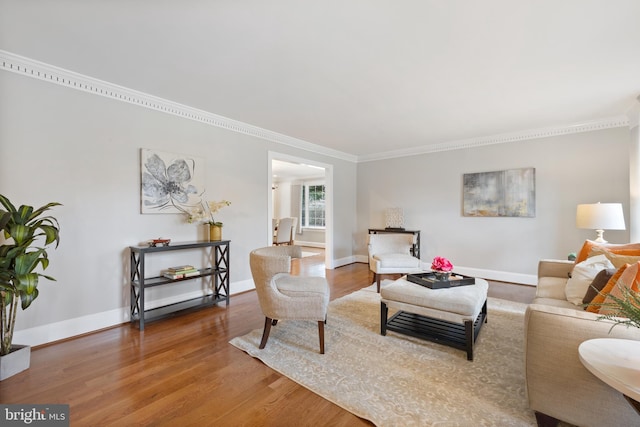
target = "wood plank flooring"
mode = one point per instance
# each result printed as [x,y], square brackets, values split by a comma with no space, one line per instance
[182,371]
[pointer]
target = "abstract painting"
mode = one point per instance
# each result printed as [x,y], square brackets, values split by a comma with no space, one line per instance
[170,183]
[507,193]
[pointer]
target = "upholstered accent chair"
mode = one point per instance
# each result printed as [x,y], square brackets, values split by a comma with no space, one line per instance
[390,253]
[284,232]
[283,296]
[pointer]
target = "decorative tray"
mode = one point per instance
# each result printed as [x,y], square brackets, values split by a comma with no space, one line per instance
[428,280]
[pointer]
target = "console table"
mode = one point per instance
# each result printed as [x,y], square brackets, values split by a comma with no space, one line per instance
[217,270]
[617,363]
[415,249]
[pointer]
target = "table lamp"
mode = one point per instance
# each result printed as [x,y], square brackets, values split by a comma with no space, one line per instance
[600,217]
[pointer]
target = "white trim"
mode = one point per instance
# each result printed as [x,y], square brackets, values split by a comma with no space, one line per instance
[329,194]
[607,123]
[633,114]
[85,324]
[500,276]
[52,74]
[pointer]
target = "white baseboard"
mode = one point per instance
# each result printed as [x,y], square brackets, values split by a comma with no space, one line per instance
[81,325]
[344,261]
[501,276]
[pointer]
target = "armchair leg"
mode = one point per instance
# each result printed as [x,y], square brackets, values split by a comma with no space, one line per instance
[321,334]
[544,420]
[267,328]
[376,277]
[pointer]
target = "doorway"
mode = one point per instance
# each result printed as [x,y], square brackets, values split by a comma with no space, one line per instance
[292,171]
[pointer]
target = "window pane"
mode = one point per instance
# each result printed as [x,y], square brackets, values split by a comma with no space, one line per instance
[303,214]
[316,206]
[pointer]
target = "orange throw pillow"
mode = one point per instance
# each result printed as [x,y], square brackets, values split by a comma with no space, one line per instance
[628,248]
[599,299]
[629,280]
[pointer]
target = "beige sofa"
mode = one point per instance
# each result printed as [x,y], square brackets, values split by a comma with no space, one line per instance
[559,387]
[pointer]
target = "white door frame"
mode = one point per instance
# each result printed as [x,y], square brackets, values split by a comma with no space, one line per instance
[328,174]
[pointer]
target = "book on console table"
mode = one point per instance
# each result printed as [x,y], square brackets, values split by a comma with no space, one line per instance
[181,269]
[428,280]
[181,274]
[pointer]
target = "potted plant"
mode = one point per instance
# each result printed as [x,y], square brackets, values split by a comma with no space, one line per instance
[623,309]
[205,211]
[23,230]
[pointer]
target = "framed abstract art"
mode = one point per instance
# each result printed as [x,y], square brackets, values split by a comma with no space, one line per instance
[506,193]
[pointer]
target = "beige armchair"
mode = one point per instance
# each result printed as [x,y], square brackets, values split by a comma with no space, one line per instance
[390,253]
[286,297]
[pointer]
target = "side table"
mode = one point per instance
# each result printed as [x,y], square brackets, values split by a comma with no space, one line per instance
[617,363]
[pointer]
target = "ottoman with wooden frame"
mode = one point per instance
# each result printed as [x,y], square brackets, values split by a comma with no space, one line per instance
[451,316]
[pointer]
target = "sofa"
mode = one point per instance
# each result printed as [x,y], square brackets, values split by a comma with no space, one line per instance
[558,386]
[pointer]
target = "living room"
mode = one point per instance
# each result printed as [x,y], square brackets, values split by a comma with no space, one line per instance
[81,139]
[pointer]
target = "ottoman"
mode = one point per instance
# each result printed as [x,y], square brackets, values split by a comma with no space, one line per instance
[451,316]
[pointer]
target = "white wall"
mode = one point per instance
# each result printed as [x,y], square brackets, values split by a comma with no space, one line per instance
[59,144]
[571,169]
[82,150]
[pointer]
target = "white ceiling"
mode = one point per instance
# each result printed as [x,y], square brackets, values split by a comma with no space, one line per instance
[359,76]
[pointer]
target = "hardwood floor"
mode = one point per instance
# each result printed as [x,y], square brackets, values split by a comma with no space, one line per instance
[182,371]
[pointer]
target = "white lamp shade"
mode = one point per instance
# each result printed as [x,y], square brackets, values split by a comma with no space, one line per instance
[600,216]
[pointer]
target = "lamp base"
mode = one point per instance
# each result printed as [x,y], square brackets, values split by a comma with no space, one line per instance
[600,238]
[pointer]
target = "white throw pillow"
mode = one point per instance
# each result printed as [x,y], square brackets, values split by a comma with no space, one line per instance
[582,276]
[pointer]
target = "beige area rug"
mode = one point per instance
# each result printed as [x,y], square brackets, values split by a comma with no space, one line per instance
[396,380]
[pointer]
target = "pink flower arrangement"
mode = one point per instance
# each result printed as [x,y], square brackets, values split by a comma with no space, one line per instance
[441,264]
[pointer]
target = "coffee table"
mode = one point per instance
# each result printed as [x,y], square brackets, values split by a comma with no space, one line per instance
[451,316]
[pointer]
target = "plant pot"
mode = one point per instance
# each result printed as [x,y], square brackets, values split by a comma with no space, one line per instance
[18,360]
[215,232]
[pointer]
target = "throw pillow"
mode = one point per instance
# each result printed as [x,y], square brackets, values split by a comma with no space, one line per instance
[582,276]
[598,284]
[588,245]
[630,280]
[618,258]
[594,306]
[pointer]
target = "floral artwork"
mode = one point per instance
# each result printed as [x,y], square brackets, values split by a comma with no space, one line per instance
[170,183]
[507,193]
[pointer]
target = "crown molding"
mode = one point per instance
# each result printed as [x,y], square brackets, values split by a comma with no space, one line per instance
[70,79]
[607,123]
[634,113]
[60,76]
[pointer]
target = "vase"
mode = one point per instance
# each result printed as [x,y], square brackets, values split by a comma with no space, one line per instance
[442,276]
[215,232]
